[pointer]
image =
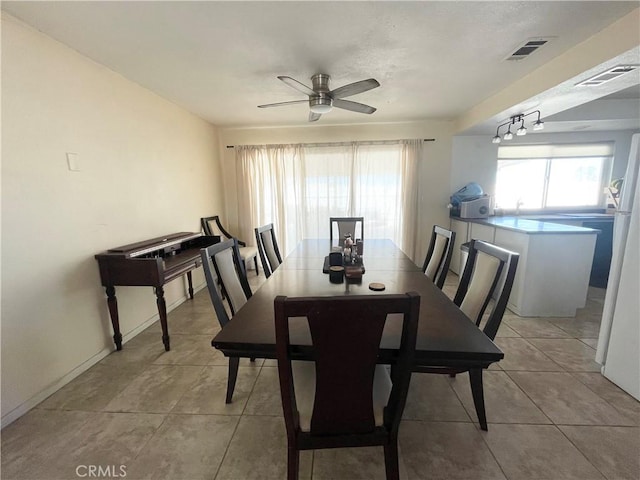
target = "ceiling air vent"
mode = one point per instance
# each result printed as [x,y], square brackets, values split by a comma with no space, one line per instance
[527,48]
[610,74]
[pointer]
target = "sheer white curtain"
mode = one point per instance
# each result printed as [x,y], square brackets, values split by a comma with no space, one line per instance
[269,186]
[298,187]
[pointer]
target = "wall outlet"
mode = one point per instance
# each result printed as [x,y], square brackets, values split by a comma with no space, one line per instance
[73,162]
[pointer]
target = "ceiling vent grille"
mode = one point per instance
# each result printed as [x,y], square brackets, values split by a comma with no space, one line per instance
[527,48]
[610,74]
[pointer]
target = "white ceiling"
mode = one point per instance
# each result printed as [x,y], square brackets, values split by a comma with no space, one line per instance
[434,60]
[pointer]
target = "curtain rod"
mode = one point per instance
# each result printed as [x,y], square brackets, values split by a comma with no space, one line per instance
[372,142]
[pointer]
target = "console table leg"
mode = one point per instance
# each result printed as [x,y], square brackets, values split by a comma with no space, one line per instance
[112,303]
[162,311]
[190,280]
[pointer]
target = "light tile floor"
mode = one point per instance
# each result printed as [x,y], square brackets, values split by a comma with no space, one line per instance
[147,413]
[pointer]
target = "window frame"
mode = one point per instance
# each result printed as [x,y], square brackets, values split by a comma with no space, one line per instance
[603,150]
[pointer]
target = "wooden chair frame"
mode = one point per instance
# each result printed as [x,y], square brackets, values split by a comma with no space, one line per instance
[510,261]
[204,223]
[266,265]
[354,220]
[346,334]
[212,276]
[445,260]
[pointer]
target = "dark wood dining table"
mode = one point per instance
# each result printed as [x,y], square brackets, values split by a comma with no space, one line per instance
[446,337]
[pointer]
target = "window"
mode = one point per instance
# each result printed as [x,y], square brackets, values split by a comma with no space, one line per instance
[565,176]
[298,187]
[364,182]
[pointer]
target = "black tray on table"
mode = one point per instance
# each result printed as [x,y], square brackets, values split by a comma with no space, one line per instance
[358,264]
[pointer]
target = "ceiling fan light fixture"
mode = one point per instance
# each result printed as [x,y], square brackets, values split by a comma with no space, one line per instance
[322,99]
[321,108]
[320,104]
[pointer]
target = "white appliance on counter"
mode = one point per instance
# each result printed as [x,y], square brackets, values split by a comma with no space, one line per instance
[475,208]
[619,341]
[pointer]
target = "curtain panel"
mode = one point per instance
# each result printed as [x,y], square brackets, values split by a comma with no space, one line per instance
[298,187]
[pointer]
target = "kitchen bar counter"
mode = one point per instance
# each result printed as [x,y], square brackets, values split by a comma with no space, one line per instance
[555,261]
[569,217]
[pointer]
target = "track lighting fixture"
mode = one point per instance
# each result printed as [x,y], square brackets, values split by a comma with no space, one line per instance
[538,125]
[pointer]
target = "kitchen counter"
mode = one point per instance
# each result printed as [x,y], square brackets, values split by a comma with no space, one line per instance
[553,272]
[569,217]
[529,226]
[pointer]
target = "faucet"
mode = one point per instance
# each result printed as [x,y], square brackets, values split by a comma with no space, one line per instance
[519,203]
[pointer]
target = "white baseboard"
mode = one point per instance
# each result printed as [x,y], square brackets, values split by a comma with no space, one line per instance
[23,408]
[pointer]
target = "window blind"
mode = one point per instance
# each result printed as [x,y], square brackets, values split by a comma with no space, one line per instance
[567,150]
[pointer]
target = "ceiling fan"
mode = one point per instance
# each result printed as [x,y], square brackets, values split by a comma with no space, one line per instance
[322,100]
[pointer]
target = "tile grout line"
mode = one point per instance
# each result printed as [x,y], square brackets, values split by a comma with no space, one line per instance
[531,399]
[581,452]
[226,450]
[600,396]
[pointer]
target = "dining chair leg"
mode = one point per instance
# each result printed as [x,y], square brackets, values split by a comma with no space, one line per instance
[234,362]
[255,261]
[293,461]
[391,460]
[475,378]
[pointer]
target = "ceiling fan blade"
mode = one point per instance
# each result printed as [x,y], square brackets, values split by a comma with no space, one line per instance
[354,88]
[293,102]
[353,106]
[313,117]
[297,85]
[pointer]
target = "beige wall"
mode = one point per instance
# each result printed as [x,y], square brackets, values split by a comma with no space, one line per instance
[147,168]
[435,168]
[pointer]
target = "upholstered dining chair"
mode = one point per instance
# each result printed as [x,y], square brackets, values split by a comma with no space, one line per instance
[481,279]
[436,263]
[213,226]
[343,225]
[343,398]
[268,249]
[221,262]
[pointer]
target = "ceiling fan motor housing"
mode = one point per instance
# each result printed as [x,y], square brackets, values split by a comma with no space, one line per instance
[322,101]
[320,82]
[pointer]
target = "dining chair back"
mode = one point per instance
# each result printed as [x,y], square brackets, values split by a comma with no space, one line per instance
[436,263]
[213,226]
[268,249]
[344,398]
[222,267]
[340,226]
[483,279]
